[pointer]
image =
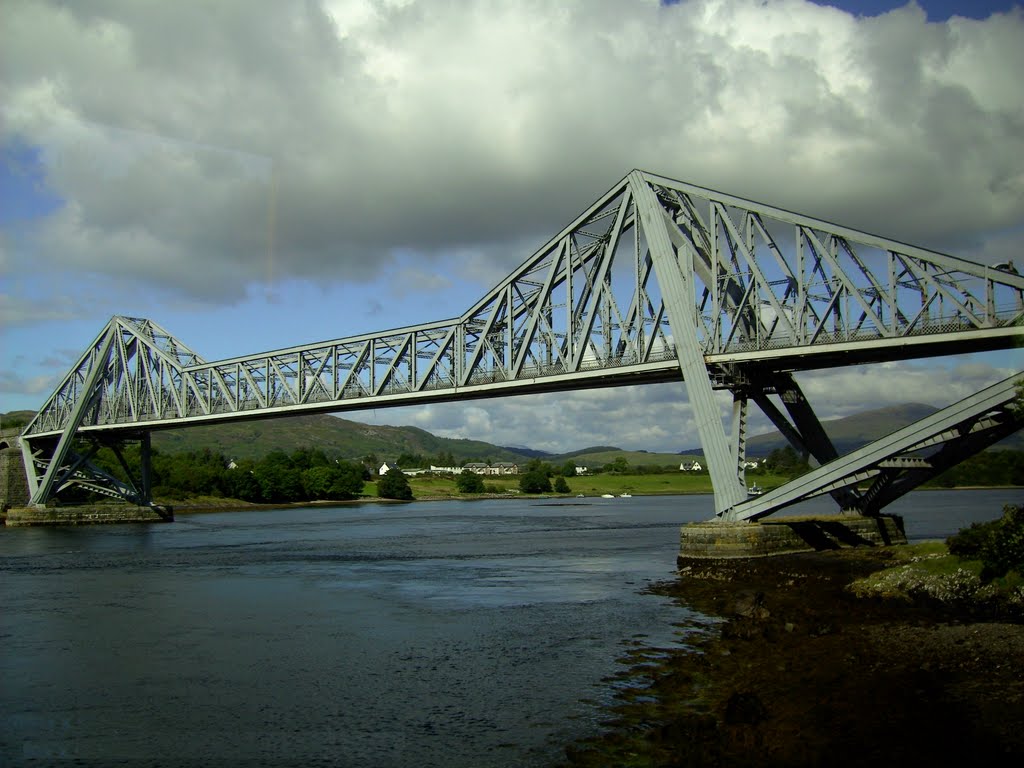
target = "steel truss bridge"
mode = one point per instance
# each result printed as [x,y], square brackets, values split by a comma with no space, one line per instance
[657,281]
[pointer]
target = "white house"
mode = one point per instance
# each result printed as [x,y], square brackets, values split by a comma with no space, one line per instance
[690,466]
[497,468]
[580,470]
[386,467]
[446,470]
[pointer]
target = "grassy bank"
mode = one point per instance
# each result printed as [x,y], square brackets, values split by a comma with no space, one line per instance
[428,486]
[434,487]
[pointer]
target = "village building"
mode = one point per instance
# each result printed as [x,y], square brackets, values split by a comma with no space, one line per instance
[445,470]
[498,468]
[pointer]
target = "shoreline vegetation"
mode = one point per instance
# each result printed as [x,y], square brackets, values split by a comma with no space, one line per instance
[213,504]
[434,489]
[219,504]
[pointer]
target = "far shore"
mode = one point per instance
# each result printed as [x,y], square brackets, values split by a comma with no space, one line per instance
[209,505]
[233,505]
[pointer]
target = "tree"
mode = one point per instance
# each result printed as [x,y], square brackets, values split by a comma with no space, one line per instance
[569,469]
[316,482]
[406,459]
[242,483]
[279,481]
[469,482]
[561,486]
[535,481]
[998,544]
[617,467]
[394,485]
[349,477]
[786,461]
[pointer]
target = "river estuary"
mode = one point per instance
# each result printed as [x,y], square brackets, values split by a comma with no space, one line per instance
[423,634]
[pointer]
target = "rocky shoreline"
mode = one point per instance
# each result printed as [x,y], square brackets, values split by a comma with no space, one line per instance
[800,671]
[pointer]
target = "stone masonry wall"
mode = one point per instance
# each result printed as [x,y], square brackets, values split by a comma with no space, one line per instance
[13,484]
[785,535]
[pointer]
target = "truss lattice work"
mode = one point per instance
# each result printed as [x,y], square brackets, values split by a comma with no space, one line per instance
[658,280]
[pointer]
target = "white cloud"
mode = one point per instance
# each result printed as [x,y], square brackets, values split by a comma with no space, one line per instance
[300,140]
[420,149]
[658,417]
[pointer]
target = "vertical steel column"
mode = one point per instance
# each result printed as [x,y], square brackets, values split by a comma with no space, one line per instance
[739,436]
[675,290]
[145,470]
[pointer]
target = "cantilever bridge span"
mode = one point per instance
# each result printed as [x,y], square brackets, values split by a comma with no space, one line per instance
[657,281]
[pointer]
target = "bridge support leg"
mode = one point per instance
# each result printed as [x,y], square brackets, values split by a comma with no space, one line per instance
[146,469]
[45,487]
[677,289]
[805,433]
[739,436]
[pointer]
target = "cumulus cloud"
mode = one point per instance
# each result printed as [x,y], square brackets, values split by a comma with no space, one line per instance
[205,155]
[659,417]
[208,150]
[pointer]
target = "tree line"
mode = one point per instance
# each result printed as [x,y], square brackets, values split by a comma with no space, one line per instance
[308,474]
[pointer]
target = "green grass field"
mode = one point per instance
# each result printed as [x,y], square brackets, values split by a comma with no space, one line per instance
[432,486]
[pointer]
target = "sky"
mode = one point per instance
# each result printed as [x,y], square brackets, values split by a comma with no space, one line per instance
[251,174]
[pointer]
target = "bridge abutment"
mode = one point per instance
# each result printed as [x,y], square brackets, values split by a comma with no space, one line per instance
[87,514]
[13,483]
[724,540]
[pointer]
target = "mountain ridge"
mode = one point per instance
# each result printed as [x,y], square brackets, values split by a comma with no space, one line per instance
[851,432]
[351,440]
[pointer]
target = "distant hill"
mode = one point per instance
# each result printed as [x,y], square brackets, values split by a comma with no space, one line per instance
[598,457]
[335,436]
[594,449]
[530,453]
[15,419]
[852,432]
[354,440]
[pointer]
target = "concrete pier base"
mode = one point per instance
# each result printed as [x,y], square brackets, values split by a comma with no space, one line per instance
[714,540]
[88,515]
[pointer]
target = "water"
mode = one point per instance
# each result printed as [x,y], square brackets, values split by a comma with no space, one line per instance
[428,634]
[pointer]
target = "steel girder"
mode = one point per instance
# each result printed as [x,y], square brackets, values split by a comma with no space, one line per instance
[879,473]
[658,280]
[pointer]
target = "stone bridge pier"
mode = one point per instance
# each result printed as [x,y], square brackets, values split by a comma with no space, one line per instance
[13,483]
[15,500]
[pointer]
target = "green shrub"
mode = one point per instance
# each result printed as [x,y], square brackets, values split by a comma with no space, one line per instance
[968,542]
[394,485]
[535,481]
[999,545]
[469,482]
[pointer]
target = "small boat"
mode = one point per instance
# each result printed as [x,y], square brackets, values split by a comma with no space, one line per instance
[607,496]
[625,495]
[754,490]
[579,495]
